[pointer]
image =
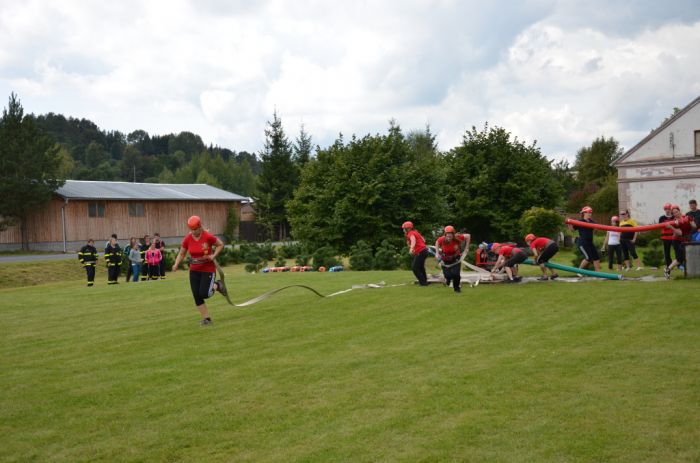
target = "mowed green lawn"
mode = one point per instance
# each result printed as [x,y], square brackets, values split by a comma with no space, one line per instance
[594,371]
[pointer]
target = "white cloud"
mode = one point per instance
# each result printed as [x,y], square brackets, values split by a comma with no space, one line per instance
[553,71]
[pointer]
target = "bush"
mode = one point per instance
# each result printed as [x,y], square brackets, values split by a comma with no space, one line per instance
[325,256]
[267,251]
[405,259]
[386,257]
[170,255]
[645,238]
[654,255]
[254,259]
[361,256]
[541,222]
[605,199]
[280,262]
[303,259]
[230,256]
[291,250]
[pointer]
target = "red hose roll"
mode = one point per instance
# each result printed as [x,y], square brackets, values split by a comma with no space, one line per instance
[597,226]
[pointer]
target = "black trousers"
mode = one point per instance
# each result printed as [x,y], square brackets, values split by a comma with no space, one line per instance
[453,275]
[614,250]
[418,267]
[129,271]
[90,270]
[112,273]
[153,271]
[202,285]
[162,268]
[677,248]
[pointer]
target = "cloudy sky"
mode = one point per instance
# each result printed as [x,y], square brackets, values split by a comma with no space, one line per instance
[559,72]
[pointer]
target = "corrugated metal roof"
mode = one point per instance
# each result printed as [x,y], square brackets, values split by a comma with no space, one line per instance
[82,189]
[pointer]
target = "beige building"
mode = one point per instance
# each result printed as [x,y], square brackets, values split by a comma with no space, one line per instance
[95,209]
[663,167]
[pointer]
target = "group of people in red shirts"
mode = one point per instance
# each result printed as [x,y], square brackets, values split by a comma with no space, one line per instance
[451,248]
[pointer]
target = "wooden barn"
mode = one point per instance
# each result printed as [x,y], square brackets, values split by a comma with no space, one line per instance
[93,209]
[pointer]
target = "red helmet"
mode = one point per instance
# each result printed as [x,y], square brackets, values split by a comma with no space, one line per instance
[586,209]
[668,206]
[194,222]
[676,206]
[615,218]
[407,225]
[450,229]
[529,237]
[496,247]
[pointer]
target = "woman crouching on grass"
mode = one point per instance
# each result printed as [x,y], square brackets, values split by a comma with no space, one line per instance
[199,244]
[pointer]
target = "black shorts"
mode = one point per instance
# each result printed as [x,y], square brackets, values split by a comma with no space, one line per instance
[590,253]
[547,253]
[516,258]
[202,284]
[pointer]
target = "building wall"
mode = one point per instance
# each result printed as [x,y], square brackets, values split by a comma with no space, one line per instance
[645,196]
[683,132]
[169,218]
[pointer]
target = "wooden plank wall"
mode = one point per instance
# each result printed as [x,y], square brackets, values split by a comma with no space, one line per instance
[169,218]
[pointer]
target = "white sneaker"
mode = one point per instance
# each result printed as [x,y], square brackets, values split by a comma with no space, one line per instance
[640,268]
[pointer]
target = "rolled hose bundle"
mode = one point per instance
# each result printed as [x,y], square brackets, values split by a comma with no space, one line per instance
[598,226]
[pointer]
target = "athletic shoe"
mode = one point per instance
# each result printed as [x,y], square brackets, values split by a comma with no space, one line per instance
[640,268]
[206,322]
[543,278]
[667,273]
[579,275]
[554,276]
[221,287]
[458,290]
[518,279]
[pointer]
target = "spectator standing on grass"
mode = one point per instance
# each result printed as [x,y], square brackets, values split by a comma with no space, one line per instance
[585,240]
[682,227]
[134,259]
[153,259]
[612,243]
[449,249]
[145,245]
[113,258]
[160,245]
[543,250]
[419,251]
[694,212]
[127,256]
[628,240]
[667,238]
[203,248]
[88,257]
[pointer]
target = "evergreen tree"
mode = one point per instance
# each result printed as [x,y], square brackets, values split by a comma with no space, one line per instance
[277,180]
[302,148]
[30,166]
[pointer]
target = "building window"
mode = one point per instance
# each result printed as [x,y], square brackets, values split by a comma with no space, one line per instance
[136,210]
[697,143]
[96,209]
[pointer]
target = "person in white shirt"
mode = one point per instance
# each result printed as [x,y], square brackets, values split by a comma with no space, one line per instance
[612,243]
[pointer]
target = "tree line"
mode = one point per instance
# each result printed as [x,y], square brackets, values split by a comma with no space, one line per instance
[359,188]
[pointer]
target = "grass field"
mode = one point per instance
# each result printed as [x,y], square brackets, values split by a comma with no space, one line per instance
[593,371]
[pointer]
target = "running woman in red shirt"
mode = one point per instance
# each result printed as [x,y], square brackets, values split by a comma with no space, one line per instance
[543,249]
[419,251]
[509,257]
[203,248]
[682,227]
[448,250]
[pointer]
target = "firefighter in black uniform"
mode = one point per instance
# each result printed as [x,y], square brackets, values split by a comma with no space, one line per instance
[143,248]
[113,257]
[88,257]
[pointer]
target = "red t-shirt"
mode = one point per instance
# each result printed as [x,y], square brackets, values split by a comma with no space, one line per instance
[508,251]
[449,250]
[200,248]
[540,243]
[685,228]
[420,242]
[666,233]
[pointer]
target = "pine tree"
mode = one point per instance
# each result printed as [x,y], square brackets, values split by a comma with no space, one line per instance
[302,148]
[30,166]
[277,180]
